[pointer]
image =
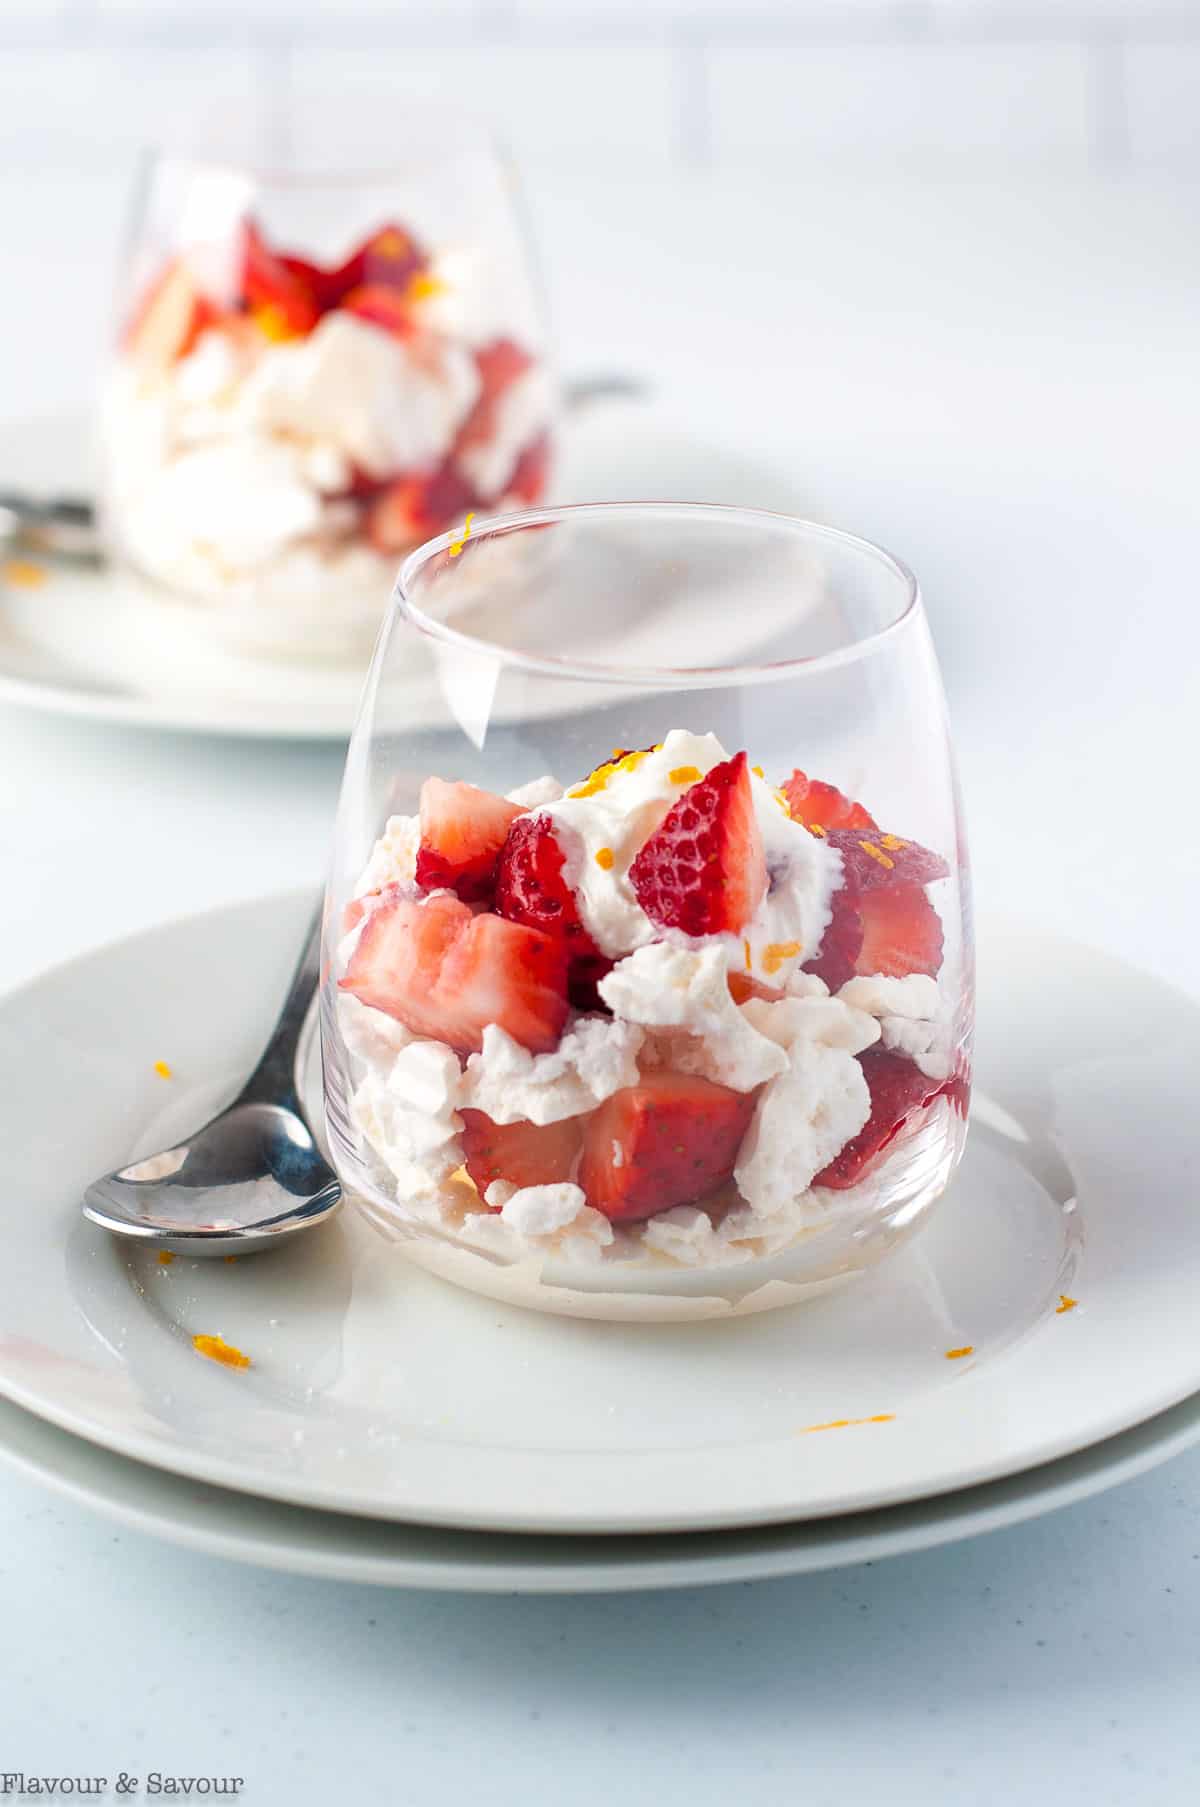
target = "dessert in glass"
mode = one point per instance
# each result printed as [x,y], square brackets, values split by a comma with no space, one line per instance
[312,376]
[648,953]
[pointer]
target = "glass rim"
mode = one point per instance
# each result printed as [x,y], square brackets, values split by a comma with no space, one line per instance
[470,137]
[661,676]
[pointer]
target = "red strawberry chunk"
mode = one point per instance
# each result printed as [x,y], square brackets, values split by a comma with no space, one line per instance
[874,861]
[821,805]
[744,985]
[704,870]
[524,1154]
[415,507]
[531,888]
[382,307]
[169,319]
[390,258]
[898,1089]
[462,832]
[901,932]
[447,973]
[531,471]
[275,294]
[499,365]
[836,959]
[668,1140]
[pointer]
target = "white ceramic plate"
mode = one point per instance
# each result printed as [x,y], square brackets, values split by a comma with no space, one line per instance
[379,1390]
[302,1541]
[100,645]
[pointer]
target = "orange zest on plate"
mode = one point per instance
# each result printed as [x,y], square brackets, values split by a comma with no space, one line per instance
[216,1349]
[842,1424]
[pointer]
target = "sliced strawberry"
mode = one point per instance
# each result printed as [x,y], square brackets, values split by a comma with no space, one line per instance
[898,1089]
[499,365]
[821,805]
[168,320]
[836,959]
[462,832]
[901,932]
[668,1140]
[389,259]
[704,869]
[744,985]
[280,300]
[447,973]
[530,888]
[877,861]
[531,472]
[524,1154]
[383,307]
[416,507]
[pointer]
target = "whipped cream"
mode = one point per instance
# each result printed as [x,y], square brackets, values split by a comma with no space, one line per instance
[616,817]
[389,404]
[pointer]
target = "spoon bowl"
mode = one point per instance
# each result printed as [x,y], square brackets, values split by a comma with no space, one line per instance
[249,1179]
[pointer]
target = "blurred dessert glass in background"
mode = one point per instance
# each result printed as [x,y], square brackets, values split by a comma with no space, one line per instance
[310,376]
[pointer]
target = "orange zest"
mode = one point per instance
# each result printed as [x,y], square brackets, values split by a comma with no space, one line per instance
[777,952]
[163,1070]
[1065,1304]
[23,574]
[457,545]
[685,774]
[216,1349]
[956,1355]
[870,848]
[842,1424]
[605,858]
[165,1257]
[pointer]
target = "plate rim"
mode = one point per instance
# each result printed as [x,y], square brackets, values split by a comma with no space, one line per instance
[196,1467]
[601,1564]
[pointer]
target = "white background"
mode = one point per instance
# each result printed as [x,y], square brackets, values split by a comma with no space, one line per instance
[941,262]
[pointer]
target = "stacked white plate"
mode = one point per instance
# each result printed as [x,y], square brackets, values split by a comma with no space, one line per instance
[394,1430]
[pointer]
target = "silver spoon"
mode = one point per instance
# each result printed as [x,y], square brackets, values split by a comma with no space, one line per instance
[250,1179]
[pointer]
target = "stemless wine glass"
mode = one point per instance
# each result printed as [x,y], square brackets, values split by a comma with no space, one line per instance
[315,373]
[649,966]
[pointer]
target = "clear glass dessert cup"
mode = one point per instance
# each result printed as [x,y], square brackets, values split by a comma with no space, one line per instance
[649,979]
[312,375]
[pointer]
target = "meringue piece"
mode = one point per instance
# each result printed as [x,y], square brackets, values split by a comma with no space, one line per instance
[678,988]
[596,1057]
[803,1119]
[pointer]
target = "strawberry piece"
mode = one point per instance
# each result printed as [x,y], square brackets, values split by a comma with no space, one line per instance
[531,472]
[836,959]
[524,1154]
[499,365]
[279,299]
[817,804]
[744,985]
[383,307]
[898,1089]
[901,932]
[530,888]
[447,973]
[168,320]
[389,259]
[416,507]
[704,870]
[462,832]
[876,861]
[668,1140]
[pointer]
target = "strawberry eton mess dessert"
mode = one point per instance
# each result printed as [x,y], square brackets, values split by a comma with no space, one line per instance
[672,1017]
[276,432]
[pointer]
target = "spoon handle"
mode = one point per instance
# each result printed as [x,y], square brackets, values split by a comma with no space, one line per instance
[273,1081]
